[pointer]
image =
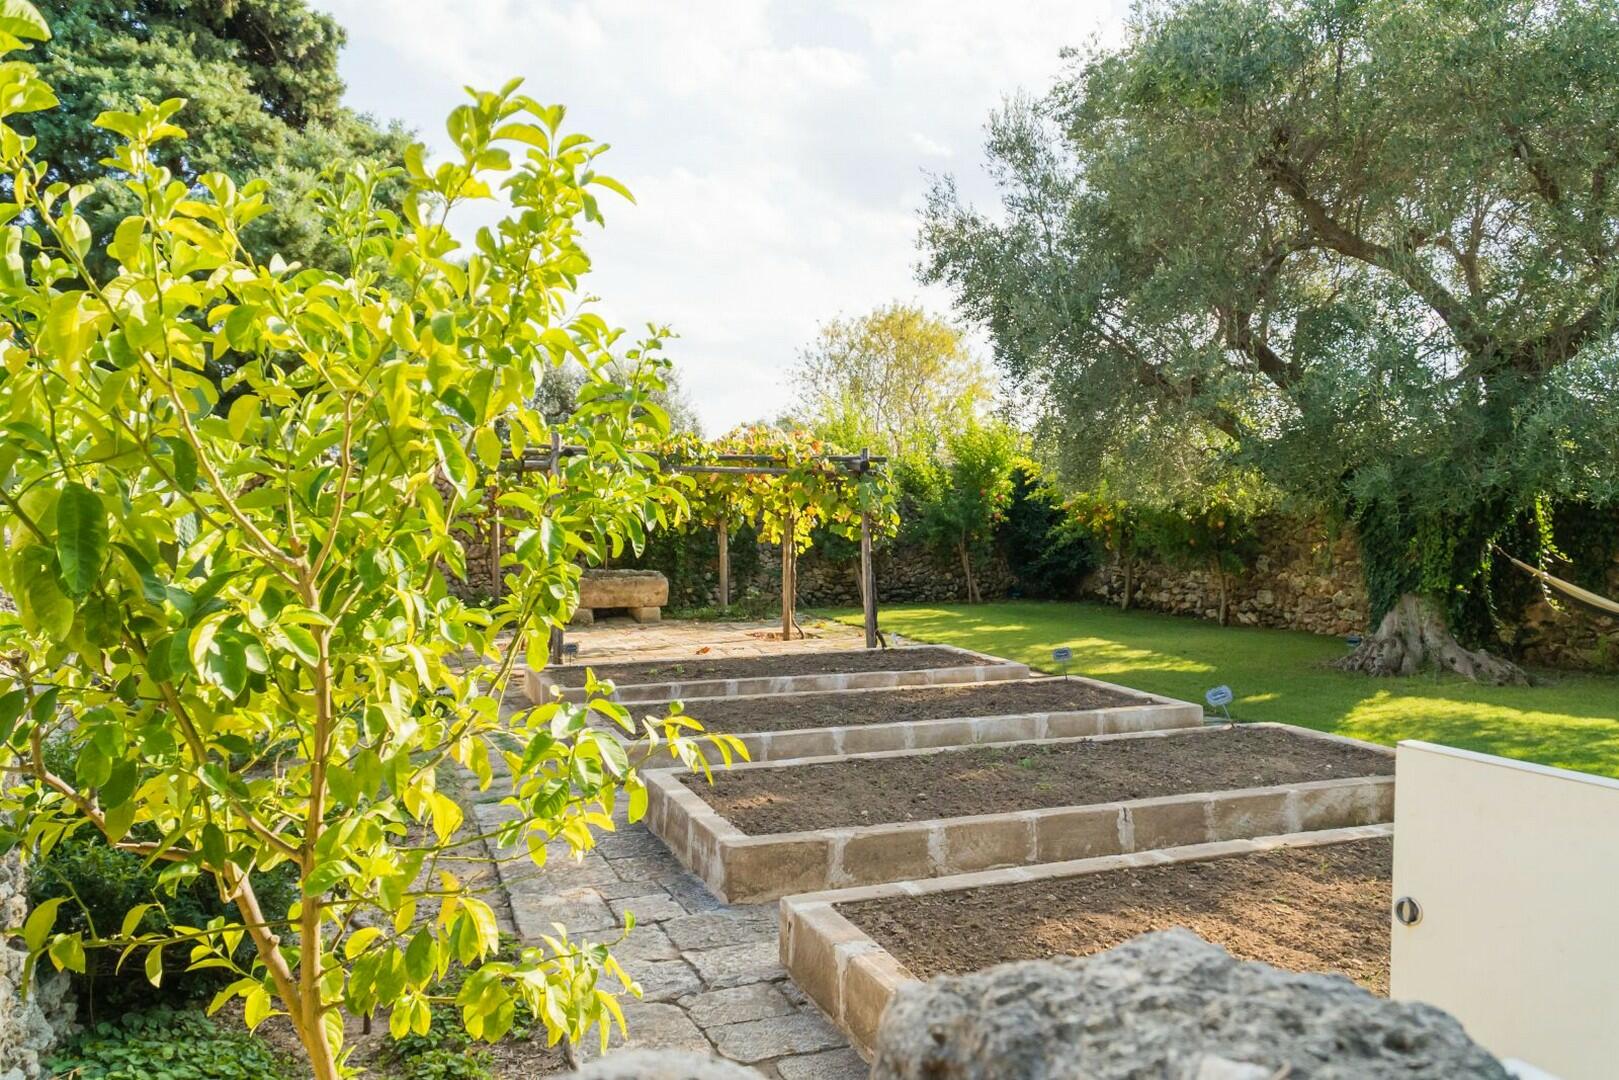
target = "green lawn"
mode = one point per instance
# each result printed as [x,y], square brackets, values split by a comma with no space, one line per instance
[1570,720]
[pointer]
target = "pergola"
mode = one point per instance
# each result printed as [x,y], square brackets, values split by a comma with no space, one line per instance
[737,465]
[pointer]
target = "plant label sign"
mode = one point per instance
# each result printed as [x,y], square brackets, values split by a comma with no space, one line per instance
[1063,656]
[1220,697]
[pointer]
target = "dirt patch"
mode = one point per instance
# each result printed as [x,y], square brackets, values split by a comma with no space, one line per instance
[1303,909]
[996,779]
[687,669]
[739,716]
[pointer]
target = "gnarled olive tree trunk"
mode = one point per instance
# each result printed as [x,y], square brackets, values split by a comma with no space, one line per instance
[1413,636]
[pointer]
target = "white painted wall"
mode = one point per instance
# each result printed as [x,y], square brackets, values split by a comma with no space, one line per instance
[1516,867]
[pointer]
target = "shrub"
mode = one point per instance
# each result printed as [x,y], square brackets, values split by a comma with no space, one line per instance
[164,1044]
[1047,553]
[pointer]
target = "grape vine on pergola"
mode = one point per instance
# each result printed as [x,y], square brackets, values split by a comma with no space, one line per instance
[787,484]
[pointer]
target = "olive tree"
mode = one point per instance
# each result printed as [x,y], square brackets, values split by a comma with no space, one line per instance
[1369,250]
[236,617]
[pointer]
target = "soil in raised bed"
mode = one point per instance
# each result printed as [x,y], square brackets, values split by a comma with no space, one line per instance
[687,669]
[997,779]
[739,716]
[1304,909]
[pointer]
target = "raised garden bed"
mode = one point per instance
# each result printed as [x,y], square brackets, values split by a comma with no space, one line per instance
[769,830]
[1305,902]
[778,673]
[775,727]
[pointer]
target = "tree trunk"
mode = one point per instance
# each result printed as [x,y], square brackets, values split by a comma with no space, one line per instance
[1413,636]
[973,596]
[1225,596]
[1129,581]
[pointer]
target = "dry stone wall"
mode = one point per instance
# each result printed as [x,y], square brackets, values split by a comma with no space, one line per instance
[32,1025]
[1304,579]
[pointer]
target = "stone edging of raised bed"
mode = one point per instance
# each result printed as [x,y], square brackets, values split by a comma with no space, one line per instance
[539,686]
[1153,713]
[739,868]
[852,978]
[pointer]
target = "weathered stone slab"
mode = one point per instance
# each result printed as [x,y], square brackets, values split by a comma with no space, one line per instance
[1171,1005]
[738,964]
[729,926]
[842,1064]
[736,1005]
[650,908]
[760,1040]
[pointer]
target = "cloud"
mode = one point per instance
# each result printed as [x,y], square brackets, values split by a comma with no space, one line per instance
[778,151]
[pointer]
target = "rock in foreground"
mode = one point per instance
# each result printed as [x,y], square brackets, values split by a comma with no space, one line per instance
[1166,1005]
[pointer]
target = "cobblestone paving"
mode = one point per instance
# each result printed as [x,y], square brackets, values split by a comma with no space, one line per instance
[709,971]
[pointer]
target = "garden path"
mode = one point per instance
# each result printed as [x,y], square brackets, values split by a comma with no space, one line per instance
[709,971]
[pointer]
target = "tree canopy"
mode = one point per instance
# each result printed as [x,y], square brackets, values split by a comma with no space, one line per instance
[1367,249]
[264,99]
[895,380]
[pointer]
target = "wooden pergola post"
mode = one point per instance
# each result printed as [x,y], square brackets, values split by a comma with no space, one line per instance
[789,587]
[554,643]
[725,564]
[868,571]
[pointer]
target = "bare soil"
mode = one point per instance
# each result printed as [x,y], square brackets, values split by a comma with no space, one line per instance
[686,669]
[1303,909]
[996,779]
[838,708]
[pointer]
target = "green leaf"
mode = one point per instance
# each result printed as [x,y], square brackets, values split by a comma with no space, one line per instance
[243,411]
[11,707]
[302,643]
[45,608]
[154,965]
[132,919]
[21,19]
[38,926]
[67,953]
[419,956]
[81,537]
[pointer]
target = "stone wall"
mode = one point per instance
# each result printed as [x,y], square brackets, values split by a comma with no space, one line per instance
[30,1027]
[1304,579]
[1308,578]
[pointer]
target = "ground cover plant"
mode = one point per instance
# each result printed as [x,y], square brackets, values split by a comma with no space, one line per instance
[1285,676]
[232,490]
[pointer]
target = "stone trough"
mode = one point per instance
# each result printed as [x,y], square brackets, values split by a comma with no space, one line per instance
[912,666]
[742,868]
[785,741]
[640,594]
[853,978]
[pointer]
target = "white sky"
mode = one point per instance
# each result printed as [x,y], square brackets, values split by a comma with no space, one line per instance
[778,150]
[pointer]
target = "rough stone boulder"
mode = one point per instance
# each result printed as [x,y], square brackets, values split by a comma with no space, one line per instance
[1165,1005]
[640,592]
[662,1065]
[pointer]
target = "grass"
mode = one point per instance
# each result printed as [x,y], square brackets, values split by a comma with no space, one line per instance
[1567,720]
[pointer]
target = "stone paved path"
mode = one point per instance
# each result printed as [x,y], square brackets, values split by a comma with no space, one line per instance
[709,971]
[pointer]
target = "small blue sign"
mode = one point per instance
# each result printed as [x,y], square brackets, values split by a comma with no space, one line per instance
[1063,655]
[1219,697]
